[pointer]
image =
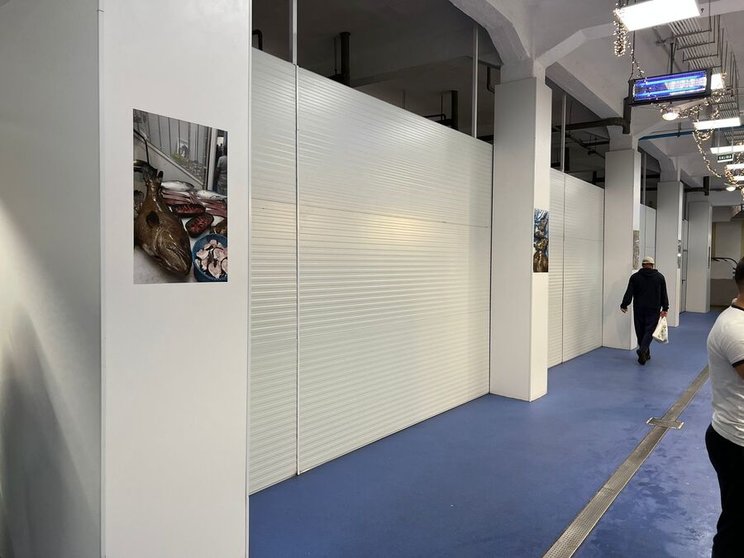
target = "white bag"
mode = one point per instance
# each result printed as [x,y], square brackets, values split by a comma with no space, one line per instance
[661,333]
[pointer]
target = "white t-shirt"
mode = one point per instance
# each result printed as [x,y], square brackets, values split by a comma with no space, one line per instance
[726,350]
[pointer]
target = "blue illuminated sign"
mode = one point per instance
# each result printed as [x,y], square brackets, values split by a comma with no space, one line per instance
[670,87]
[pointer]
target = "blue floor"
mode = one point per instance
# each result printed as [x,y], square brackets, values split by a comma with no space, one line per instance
[498,477]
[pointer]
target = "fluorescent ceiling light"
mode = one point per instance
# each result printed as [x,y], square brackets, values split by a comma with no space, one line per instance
[656,12]
[739,178]
[727,149]
[716,82]
[718,123]
[735,166]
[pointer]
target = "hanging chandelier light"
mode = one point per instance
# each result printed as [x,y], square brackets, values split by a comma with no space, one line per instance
[670,114]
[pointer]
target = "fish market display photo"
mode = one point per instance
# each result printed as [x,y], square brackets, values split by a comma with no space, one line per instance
[180,200]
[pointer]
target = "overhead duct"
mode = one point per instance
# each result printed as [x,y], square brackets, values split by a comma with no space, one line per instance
[740,215]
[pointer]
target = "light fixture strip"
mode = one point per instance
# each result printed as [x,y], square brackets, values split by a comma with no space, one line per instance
[725,149]
[718,123]
[656,12]
[735,166]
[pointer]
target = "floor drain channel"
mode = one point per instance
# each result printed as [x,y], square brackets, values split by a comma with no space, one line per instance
[580,528]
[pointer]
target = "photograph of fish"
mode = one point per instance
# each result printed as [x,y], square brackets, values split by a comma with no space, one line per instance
[636,249]
[540,260]
[180,200]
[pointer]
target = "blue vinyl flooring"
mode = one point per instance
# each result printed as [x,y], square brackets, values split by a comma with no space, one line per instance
[503,478]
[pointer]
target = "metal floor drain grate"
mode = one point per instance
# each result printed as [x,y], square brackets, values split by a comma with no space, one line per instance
[675,424]
[580,528]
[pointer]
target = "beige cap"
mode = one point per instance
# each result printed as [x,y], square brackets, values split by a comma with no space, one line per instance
[648,260]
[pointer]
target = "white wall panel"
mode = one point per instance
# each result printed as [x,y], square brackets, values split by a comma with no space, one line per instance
[394,269]
[648,232]
[273,393]
[576,267]
[555,306]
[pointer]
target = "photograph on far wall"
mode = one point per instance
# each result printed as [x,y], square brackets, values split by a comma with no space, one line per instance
[679,254]
[540,242]
[636,249]
[180,201]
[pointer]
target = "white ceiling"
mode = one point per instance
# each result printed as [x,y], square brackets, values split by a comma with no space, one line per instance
[416,49]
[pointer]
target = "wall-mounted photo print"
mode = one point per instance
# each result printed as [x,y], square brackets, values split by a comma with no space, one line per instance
[540,242]
[636,249]
[180,201]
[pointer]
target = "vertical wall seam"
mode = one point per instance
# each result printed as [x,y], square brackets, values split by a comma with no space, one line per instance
[297,267]
[490,267]
[563,277]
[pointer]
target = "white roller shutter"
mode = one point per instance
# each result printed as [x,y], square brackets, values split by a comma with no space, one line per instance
[394,269]
[555,307]
[583,263]
[273,379]
[576,268]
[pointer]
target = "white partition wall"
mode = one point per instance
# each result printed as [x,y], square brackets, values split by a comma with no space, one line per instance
[50,320]
[622,207]
[668,236]
[576,267]
[699,246]
[394,269]
[175,359]
[273,403]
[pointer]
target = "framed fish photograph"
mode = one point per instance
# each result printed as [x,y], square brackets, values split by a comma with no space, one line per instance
[540,241]
[180,188]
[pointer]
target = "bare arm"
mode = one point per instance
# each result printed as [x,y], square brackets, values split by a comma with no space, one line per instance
[740,370]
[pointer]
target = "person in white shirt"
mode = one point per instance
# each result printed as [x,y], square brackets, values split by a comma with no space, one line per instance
[724,438]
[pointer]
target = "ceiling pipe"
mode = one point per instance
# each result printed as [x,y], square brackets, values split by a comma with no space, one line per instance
[345,75]
[258,33]
[596,124]
[667,135]
[455,109]
[623,122]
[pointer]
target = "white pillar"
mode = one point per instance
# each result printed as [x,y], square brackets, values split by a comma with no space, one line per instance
[622,218]
[700,215]
[668,243]
[519,299]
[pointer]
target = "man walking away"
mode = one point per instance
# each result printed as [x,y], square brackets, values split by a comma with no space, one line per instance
[725,436]
[647,289]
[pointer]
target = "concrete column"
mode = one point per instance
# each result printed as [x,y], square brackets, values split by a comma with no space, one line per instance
[622,218]
[519,299]
[700,215]
[668,243]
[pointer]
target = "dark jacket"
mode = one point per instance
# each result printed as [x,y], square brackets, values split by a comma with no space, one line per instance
[647,289]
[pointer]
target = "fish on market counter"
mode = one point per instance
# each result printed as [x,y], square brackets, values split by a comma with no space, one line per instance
[159,232]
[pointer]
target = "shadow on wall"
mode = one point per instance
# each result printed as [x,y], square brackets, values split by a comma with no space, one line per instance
[42,501]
